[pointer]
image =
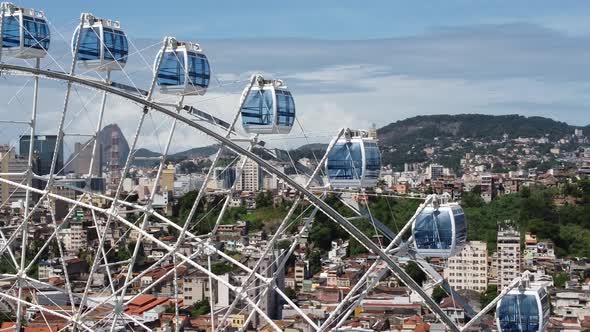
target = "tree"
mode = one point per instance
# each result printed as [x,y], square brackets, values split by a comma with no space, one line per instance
[488,296]
[291,293]
[560,279]
[264,199]
[200,308]
[220,268]
[438,294]
[315,261]
[416,273]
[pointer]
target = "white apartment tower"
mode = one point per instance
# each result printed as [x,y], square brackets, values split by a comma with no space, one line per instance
[468,269]
[250,178]
[509,261]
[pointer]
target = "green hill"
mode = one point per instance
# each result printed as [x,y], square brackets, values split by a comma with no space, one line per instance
[427,127]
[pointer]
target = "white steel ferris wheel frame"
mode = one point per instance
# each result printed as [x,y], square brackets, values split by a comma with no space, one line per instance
[201,245]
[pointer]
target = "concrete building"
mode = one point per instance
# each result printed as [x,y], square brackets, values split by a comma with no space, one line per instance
[269,302]
[223,178]
[74,238]
[487,188]
[436,171]
[468,269]
[195,287]
[167,179]
[300,273]
[250,179]
[509,261]
[10,163]
[43,148]
[80,164]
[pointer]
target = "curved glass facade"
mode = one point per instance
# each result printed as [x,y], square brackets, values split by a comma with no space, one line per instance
[199,72]
[372,161]
[345,161]
[36,33]
[11,32]
[171,70]
[258,108]
[434,230]
[460,227]
[89,44]
[115,45]
[285,108]
[519,313]
[34,30]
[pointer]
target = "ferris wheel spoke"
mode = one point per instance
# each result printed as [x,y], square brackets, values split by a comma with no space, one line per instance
[113,208]
[49,182]
[20,227]
[149,202]
[282,227]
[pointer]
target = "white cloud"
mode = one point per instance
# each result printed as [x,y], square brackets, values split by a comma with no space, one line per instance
[494,69]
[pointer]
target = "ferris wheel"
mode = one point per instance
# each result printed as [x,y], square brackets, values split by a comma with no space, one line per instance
[55,207]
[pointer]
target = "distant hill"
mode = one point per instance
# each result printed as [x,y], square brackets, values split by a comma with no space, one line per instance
[196,152]
[146,153]
[428,127]
[191,153]
[402,141]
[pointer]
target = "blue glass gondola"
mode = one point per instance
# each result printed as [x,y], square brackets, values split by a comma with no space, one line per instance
[184,69]
[25,32]
[440,231]
[354,162]
[523,310]
[268,108]
[103,45]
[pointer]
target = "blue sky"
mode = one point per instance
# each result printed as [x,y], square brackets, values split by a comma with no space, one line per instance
[349,64]
[329,19]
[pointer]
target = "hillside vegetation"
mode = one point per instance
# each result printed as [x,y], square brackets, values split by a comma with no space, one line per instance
[428,127]
[532,210]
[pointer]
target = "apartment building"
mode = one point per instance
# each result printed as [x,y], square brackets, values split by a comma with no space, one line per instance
[468,269]
[509,260]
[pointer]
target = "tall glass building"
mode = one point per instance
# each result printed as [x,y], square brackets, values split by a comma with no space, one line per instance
[43,153]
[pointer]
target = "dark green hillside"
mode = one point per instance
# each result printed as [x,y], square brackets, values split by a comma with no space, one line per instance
[428,127]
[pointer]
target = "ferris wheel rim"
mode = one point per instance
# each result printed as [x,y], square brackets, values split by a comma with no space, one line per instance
[325,208]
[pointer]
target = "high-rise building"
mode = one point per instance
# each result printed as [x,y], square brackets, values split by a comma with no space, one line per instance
[509,257]
[114,169]
[79,163]
[468,269]
[10,163]
[167,179]
[223,178]
[43,149]
[436,171]
[251,176]
[269,300]
[487,188]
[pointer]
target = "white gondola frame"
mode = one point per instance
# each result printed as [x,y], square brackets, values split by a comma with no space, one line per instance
[543,315]
[455,247]
[102,64]
[363,181]
[22,52]
[275,128]
[184,48]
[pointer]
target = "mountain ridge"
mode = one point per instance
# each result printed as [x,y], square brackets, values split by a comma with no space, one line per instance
[425,127]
